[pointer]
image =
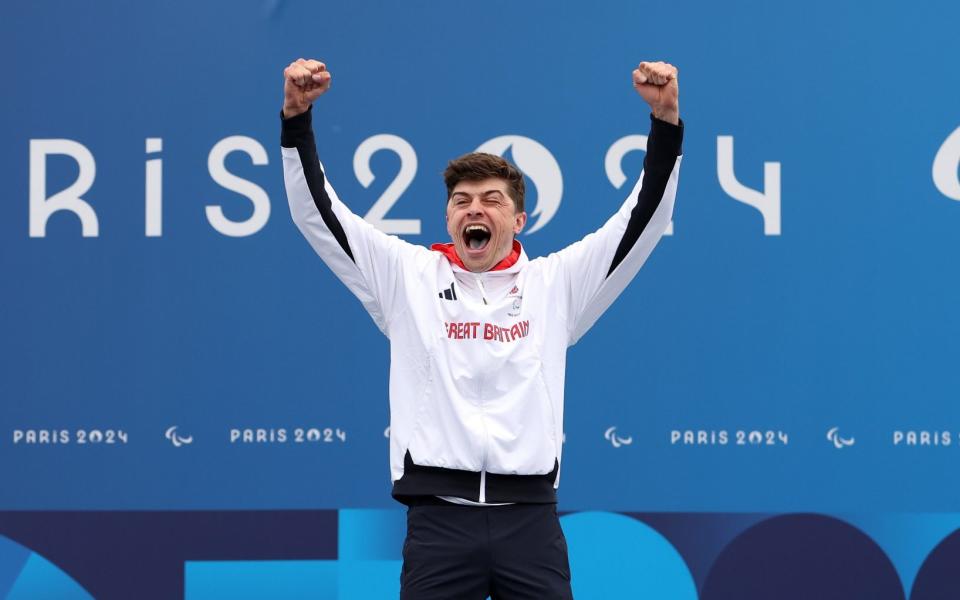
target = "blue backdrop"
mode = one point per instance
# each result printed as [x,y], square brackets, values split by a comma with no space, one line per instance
[170,342]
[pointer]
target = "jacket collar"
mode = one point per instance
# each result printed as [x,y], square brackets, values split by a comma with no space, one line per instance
[451,253]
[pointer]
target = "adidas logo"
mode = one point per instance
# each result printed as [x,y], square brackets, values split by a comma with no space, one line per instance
[450,293]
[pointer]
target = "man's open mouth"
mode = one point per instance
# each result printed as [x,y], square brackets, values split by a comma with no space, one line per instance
[475,237]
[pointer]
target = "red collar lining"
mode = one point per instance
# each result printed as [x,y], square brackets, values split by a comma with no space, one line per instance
[450,252]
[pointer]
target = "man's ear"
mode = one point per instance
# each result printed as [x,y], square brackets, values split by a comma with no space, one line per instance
[520,220]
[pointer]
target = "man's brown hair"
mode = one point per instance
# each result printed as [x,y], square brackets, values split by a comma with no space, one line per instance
[478,166]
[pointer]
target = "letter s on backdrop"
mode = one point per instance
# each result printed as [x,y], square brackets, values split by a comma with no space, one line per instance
[219,173]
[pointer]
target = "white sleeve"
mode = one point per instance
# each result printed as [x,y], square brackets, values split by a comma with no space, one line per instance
[369,262]
[595,270]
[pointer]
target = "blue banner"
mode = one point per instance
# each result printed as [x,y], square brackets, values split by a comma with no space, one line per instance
[169,342]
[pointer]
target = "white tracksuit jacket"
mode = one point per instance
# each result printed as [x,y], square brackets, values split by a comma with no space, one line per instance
[477,359]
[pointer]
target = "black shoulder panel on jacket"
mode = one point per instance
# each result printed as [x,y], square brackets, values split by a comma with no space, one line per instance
[297,132]
[664,145]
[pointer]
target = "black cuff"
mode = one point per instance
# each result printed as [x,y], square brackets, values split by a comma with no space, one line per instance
[296,130]
[665,140]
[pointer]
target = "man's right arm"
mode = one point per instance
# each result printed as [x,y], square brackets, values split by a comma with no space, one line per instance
[366,260]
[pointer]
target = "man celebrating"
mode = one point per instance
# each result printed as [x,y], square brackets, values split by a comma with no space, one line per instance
[478,339]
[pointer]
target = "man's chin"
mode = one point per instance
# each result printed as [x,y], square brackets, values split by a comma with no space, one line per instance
[476,267]
[476,262]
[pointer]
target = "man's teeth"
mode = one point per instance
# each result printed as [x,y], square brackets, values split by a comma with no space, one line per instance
[476,236]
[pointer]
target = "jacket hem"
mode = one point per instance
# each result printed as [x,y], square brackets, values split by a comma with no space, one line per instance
[419,481]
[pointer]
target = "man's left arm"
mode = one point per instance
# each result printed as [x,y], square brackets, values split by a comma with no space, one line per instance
[598,268]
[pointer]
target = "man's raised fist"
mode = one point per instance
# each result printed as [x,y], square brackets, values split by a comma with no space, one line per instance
[656,82]
[303,82]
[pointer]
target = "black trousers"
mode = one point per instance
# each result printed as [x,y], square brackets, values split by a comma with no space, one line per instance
[513,552]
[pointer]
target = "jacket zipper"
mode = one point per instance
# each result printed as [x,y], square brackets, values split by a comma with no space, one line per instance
[483,464]
[483,293]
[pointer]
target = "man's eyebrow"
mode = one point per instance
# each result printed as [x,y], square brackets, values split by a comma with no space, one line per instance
[484,193]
